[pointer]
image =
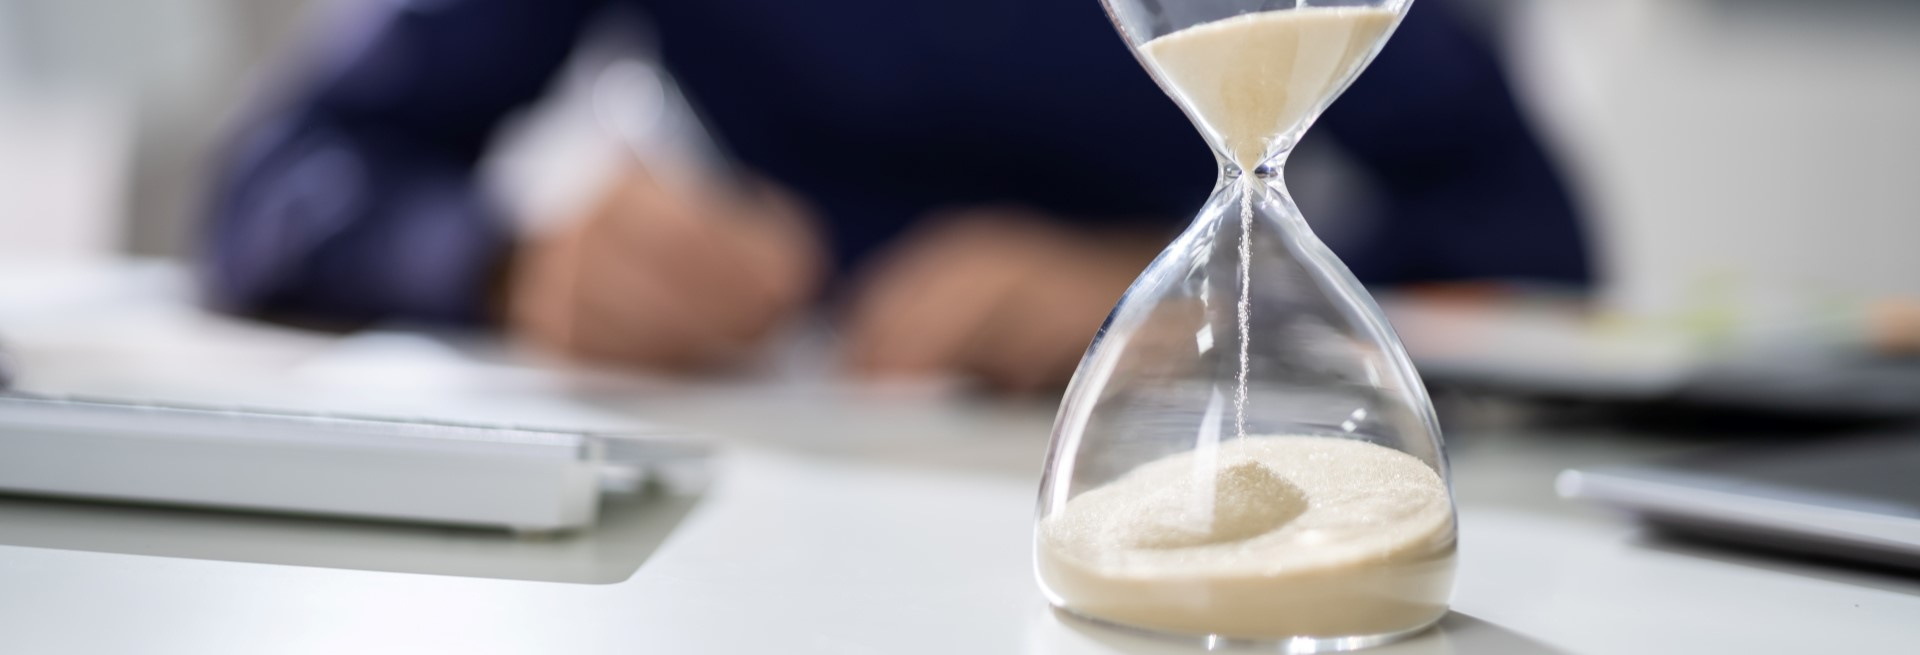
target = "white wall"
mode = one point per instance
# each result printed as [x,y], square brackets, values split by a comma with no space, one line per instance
[63,164]
[1765,151]
[109,111]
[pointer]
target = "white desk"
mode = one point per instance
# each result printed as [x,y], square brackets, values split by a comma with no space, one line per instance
[838,522]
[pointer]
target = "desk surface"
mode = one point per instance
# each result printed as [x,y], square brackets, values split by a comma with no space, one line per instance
[839,520]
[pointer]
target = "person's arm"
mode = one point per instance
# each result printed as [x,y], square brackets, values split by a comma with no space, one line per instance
[356,201]
[1470,194]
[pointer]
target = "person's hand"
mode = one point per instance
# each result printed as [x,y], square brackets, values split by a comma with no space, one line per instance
[1000,295]
[667,279]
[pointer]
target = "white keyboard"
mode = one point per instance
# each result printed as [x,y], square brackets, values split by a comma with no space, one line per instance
[524,479]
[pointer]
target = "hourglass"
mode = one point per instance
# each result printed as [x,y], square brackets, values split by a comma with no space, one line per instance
[1246,452]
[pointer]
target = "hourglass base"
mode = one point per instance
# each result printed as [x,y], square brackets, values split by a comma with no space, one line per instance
[1286,645]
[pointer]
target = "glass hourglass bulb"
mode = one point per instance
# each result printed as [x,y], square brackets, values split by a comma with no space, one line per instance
[1246,452]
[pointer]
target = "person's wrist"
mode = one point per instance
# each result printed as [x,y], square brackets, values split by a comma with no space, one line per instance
[499,284]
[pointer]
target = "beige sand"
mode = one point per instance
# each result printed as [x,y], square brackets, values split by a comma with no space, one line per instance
[1309,536]
[1255,77]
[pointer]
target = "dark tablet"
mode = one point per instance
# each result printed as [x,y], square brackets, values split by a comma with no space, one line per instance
[1855,498]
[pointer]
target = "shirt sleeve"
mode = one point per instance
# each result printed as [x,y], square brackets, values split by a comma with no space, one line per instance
[1470,192]
[352,199]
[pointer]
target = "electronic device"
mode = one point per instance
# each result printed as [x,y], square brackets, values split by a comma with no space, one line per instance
[1855,498]
[524,479]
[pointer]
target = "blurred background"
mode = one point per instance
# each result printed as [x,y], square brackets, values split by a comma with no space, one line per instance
[1739,163]
[110,106]
[1763,145]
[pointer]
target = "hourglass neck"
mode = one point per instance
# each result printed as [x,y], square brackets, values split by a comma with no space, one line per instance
[1271,171]
[1273,153]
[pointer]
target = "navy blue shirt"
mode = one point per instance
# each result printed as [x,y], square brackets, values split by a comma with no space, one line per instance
[354,197]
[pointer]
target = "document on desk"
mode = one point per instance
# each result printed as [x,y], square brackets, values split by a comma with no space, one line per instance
[524,479]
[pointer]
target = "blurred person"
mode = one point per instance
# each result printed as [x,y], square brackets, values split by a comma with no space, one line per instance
[973,184]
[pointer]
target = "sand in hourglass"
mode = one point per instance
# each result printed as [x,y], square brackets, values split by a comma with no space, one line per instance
[1253,79]
[1263,538]
[1260,536]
